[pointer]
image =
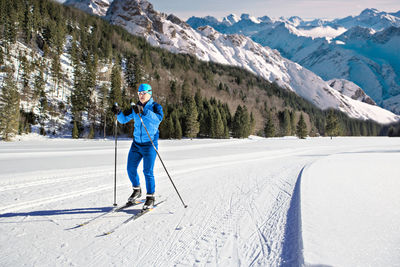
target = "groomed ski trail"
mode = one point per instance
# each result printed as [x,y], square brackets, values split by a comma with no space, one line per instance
[242,195]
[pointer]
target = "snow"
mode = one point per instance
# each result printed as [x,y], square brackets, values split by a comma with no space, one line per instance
[255,201]
[322,32]
[368,225]
[363,49]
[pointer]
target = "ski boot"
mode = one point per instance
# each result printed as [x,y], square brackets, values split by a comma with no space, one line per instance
[137,192]
[149,204]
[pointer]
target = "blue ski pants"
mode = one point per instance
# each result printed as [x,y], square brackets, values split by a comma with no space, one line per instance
[146,152]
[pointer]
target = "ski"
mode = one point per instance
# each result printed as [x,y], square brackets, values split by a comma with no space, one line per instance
[116,209]
[132,218]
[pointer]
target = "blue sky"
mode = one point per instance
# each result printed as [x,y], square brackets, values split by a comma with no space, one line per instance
[273,8]
[307,9]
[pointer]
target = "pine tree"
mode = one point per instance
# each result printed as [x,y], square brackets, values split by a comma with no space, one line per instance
[172,86]
[199,101]
[241,123]
[286,129]
[56,70]
[177,128]
[25,78]
[78,96]
[170,127]
[91,72]
[103,93]
[364,131]
[1,56]
[205,119]
[332,125]
[293,123]
[75,131]
[220,86]
[269,129]
[9,108]
[245,121]
[91,132]
[224,121]
[301,129]
[192,125]
[39,82]
[115,92]
[130,73]
[252,123]
[236,125]
[10,25]
[27,24]
[43,109]
[219,124]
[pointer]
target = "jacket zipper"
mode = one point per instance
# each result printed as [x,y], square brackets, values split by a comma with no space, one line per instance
[141,129]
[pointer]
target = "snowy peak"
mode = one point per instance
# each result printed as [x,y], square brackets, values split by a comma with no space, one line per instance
[138,16]
[248,17]
[231,19]
[369,12]
[94,7]
[196,22]
[356,34]
[208,32]
[295,20]
[370,18]
[360,35]
[387,35]
[397,14]
[265,19]
[351,89]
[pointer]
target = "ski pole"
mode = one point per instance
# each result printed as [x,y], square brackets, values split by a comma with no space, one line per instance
[115,160]
[158,154]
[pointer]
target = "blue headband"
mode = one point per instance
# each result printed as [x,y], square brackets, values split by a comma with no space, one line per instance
[144,87]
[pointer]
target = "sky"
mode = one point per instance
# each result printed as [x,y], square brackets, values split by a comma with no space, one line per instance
[306,9]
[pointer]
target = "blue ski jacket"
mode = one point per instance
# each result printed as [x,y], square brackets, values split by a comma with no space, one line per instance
[152,116]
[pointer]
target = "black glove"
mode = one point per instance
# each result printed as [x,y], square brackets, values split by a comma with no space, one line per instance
[115,109]
[138,109]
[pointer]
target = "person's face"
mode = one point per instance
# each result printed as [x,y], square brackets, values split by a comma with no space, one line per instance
[144,96]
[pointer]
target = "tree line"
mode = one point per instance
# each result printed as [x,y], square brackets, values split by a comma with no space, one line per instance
[48,29]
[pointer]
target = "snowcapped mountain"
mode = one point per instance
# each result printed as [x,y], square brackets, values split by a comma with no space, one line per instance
[94,7]
[370,18]
[351,89]
[168,31]
[365,56]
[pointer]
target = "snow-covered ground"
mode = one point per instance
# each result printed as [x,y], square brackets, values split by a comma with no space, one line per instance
[259,202]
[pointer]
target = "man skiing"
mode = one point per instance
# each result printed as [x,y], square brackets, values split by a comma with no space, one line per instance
[142,148]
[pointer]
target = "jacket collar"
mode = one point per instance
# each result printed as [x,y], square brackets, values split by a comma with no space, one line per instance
[148,103]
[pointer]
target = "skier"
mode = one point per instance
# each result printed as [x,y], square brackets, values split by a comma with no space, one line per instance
[141,148]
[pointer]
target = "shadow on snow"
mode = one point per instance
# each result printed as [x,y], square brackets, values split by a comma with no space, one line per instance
[63,212]
[292,249]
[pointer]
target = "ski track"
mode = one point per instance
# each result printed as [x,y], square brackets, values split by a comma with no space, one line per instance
[205,163]
[242,229]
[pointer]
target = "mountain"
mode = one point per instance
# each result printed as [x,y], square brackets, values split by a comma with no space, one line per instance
[351,89]
[370,18]
[364,56]
[94,7]
[131,14]
[72,67]
[175,35]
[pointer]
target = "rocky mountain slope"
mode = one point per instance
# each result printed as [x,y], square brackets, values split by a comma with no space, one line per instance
[94,7]
[364,49]
[173,34]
